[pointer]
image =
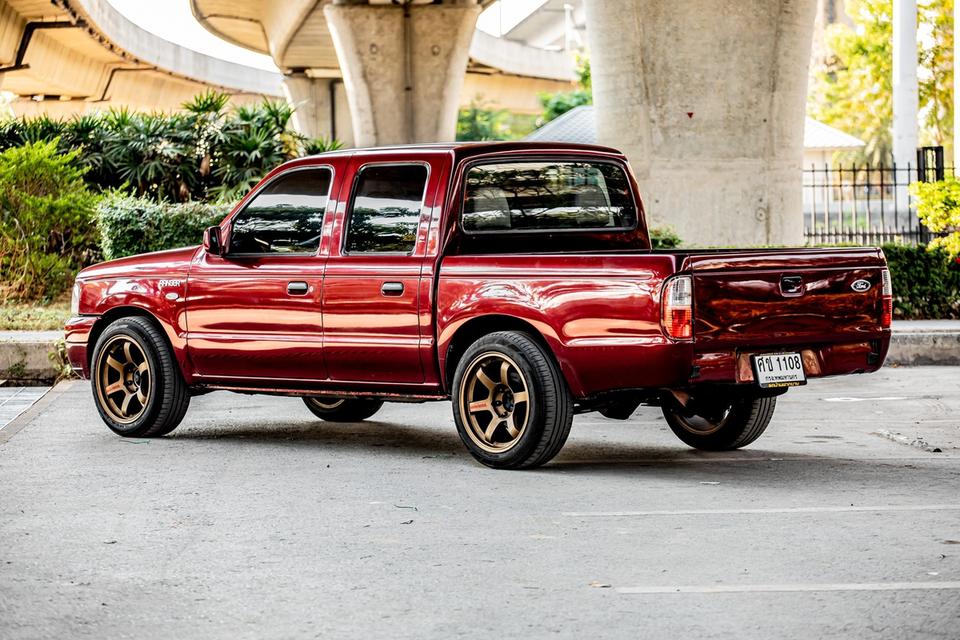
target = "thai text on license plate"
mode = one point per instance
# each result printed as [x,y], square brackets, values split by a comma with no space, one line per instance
[778,370]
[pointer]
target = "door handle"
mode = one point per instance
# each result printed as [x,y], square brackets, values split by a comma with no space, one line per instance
[392,288]
[298,288]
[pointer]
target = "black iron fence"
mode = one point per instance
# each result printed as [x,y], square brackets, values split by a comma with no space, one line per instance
[869,205]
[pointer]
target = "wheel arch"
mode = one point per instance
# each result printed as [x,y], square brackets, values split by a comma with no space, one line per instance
[475,328]
[129,311]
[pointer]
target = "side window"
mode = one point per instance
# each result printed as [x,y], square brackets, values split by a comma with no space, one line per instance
[385,211]
[286,216]
[547,196]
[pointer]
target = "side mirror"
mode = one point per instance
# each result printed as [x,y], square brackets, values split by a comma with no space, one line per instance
[212,241]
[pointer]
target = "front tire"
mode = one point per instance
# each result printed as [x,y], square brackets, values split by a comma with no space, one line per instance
[137,385]
[720,425]
[342,409]
[510,402]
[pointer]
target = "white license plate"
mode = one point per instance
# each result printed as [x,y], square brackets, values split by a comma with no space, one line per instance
[778,370]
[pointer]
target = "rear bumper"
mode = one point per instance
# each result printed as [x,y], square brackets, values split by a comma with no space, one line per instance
[77,337]
[819,360]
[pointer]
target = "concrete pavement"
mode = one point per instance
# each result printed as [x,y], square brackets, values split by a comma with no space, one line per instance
[254,520]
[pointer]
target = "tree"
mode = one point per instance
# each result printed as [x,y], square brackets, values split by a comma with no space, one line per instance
[480,122]
[938,204]
[556,104]
[853,90]
[936,77]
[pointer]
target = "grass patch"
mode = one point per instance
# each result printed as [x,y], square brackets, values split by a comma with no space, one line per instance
[26,317]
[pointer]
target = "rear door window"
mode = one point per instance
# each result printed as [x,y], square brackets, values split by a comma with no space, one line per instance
[385,212]
[552,195]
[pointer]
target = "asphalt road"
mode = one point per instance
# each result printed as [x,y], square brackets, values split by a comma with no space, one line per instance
[254,520]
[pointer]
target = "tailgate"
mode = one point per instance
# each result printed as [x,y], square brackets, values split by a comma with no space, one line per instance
[784,297]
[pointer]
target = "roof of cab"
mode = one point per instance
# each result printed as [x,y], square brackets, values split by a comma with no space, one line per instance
[467,149]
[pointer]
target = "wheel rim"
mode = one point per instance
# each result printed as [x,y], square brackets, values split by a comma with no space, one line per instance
[124,379]
[329,405]
[494,402]
[700,425]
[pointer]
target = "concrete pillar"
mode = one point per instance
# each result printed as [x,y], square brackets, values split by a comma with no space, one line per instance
[312,99]
[905,97]
[707,99]
[403,68]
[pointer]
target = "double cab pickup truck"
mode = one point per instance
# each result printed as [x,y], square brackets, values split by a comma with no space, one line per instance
[515,279]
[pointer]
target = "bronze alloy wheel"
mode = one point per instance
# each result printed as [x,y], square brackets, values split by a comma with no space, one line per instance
[703,426]
[720,425]
[124,379]
[494,402]
[327,404]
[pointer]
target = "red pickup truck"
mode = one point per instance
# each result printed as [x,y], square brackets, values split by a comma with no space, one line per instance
[516,279]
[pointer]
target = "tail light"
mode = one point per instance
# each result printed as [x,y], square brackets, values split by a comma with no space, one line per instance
[676,308]
[886,291]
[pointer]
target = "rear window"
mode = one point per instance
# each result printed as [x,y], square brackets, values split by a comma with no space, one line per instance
[547,196]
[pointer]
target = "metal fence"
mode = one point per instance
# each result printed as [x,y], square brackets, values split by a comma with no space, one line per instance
[870,205]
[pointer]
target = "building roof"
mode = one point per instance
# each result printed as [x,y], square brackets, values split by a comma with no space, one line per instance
[817,135]
[577,125]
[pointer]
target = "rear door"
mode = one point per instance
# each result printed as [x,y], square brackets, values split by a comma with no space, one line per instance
[372,292]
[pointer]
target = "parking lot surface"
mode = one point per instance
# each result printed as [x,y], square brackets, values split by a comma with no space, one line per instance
[256,520]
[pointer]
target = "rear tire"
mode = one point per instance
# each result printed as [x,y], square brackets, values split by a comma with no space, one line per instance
[731,425]
[137,385]
[342,409]
[510,402]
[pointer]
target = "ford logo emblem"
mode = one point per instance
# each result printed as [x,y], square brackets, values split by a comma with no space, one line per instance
[861,285]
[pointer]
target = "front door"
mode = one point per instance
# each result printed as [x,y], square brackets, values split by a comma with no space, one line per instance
[254,313]
[371,295]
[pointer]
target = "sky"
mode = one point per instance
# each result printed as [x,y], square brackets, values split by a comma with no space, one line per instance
[172,20]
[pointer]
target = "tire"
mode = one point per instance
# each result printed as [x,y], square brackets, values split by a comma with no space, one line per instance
[732,425]
[137,385]
[342,409]
[501,427]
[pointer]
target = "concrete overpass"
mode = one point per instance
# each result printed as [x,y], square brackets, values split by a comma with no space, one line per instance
[75,56]
[70,56]
[401,72]
[706,98]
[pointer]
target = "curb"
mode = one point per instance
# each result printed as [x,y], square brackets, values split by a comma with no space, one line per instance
[27,357]
[924,347]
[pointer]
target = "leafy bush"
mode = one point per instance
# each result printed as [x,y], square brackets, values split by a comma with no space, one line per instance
[938,205]
[130,225]
[47,228]
[556,104]
[206,151]
[926,282]
[664,238]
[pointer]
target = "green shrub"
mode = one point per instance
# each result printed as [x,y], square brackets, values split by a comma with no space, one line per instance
[938,205]
[926,282]
[207,150]
[131,225]
[47,229]
[664,238]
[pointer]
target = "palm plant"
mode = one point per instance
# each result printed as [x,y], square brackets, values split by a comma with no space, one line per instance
[207,150]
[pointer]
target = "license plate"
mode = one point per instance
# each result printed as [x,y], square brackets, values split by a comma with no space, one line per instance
[778,370]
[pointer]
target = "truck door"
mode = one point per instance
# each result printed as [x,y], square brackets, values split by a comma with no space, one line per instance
[254,313]
[372,295]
